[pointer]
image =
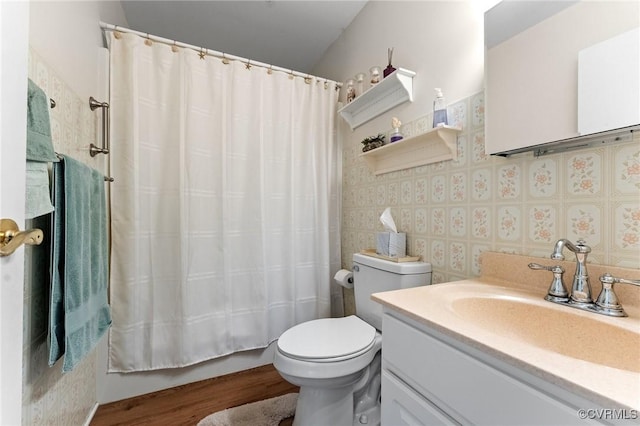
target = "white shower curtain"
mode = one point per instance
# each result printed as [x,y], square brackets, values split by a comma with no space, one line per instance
[225,205]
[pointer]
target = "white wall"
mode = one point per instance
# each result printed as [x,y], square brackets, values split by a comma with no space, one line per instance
[67,37]
[441,41]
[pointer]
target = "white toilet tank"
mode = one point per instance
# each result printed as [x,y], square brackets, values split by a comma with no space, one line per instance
[373,275]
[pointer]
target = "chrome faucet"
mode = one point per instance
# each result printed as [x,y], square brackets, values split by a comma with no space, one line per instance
[580,288]
[607,302]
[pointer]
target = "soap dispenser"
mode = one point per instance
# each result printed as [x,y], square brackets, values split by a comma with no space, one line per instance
[439,109]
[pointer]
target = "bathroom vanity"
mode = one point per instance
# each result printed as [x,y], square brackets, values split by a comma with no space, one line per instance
[431,379]
[493,351]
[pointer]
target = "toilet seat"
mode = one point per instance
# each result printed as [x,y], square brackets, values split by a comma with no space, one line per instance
[328,339]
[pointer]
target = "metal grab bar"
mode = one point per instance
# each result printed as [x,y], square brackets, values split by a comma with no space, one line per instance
[93,149]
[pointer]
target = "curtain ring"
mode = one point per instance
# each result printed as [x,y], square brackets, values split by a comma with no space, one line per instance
[148,41]
[326,85]
[291,75]
[307,79]
[201,54]
[224,59]
[174,48]
[270,70]
[248,64]
[116,34]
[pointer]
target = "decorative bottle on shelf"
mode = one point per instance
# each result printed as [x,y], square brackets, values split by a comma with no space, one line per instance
[389,69]
[375,76]
[439,109]
[360,84]
[396,135]
[351,90]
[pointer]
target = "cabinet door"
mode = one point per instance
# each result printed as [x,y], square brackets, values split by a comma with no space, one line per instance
[402,406]
[462,386]
[608,84]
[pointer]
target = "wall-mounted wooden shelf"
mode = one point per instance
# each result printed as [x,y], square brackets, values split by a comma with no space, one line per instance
[392,91]
[438,144]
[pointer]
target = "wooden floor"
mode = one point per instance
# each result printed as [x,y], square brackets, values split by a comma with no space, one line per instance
[188,404]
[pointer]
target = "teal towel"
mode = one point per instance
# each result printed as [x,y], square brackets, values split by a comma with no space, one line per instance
[39,153]
[39,143]
[55,336]
[37,198]
[80,311]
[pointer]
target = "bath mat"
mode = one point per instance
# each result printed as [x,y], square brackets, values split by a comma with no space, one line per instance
[268,412]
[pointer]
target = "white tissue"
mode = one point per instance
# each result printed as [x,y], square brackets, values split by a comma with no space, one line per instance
[391,242]
[387,221]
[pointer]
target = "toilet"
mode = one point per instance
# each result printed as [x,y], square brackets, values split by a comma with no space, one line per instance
[336,361]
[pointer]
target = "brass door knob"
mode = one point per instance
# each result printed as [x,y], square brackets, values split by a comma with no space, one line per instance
[11,237]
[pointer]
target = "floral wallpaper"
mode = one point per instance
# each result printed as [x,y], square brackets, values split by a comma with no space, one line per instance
[50,397]
[454,210]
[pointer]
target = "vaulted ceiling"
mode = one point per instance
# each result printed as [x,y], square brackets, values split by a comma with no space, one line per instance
[289,34]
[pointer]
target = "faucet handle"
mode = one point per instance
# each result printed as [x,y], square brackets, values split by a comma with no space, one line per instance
[607,302]
[539,267]
[620,280]
[582,246]
[557,290]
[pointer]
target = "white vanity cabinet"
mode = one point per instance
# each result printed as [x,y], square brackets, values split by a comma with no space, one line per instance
[429,378]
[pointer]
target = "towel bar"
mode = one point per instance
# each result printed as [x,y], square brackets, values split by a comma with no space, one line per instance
[106,178]
[11,237]
[93,149]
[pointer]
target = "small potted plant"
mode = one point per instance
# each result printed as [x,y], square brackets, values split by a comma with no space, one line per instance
[372,142]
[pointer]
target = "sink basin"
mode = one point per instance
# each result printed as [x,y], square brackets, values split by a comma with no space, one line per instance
[554,328]
[503,317]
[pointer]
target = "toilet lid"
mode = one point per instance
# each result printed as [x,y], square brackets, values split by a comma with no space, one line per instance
[327,338]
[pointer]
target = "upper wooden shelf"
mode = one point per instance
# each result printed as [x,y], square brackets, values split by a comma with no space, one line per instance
[437,144]
[392,91]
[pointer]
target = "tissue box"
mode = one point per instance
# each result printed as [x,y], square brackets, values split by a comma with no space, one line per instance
[391,244]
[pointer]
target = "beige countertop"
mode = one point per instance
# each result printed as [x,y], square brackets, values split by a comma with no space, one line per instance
[564,346]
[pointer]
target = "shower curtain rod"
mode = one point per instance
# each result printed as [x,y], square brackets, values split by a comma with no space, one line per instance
[221,55]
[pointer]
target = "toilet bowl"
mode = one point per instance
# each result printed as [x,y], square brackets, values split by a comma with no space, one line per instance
[333,360]
[336,361]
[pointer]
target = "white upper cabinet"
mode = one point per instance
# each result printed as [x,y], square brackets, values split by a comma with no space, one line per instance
[609,84]
[532,68]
